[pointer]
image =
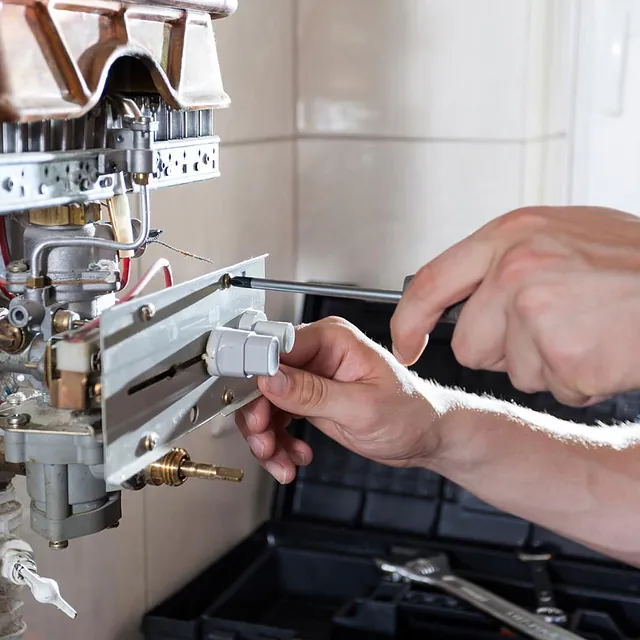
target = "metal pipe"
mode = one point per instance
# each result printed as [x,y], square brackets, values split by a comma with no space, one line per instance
[41,249]
[18,367]
[56,491]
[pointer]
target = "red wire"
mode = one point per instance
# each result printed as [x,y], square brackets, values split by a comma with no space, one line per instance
[124,276]
[6,258]
[160,264]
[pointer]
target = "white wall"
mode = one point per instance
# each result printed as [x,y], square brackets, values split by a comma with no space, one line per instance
[606,144]
[168,536]
[364,137]
[419,121]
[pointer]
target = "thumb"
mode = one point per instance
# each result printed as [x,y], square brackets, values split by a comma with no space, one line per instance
[305,394]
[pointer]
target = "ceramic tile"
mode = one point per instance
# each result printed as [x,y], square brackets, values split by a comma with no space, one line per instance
[372,212]
[426,69]
[416,68]
[550,65]
[102,576]
[246,212]
[255,46]
[187,528]
[546,173]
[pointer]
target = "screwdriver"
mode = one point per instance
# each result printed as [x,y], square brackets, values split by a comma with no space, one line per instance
[450,315]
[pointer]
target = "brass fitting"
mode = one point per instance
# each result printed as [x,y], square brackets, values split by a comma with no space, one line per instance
[141,178]
[12,339]
[36,283]
[64,320]
[66,215]
[175,467]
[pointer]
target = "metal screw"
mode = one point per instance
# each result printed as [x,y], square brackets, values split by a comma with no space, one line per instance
[8,184]
[58,545]
[18,419]
[119,138]
[16,398]
[147,312]
[17,266]
[228,397]
[150,441]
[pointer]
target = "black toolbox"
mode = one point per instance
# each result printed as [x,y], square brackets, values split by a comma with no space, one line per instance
[308,573]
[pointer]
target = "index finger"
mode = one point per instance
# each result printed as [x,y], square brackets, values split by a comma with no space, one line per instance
[320,347]
[451,277]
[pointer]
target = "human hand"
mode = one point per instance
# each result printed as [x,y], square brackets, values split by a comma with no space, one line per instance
[351,389]
[554,301]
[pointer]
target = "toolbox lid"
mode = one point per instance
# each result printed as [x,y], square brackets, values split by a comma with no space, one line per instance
[342,489]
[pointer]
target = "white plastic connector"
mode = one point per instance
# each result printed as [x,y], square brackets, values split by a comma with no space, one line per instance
[249,318]
[241,354]
[257,322]
[17,565]
[261,355]
[284,332]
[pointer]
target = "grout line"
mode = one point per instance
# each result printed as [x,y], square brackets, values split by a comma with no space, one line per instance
[391,138]
[295,195]
[250,141]
[525,102]
[576,67]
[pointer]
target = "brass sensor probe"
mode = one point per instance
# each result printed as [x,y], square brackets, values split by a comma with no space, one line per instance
[175,467]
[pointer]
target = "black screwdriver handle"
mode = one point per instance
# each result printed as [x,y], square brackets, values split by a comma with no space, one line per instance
[450,314]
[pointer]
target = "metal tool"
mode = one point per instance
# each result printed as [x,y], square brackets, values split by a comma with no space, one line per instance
[436,572]
[450,315]
[547,608]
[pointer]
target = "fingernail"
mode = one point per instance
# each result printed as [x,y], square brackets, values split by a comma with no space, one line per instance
[277,471]
[257,446]
[249,418]
[399,357]
[278,384]
[299,458]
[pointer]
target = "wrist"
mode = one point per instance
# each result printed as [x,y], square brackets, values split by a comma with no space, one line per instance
[451,445]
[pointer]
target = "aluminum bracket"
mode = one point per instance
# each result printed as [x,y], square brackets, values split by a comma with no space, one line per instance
[155,386]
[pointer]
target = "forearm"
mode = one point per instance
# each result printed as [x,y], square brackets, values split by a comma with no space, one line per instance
[582,482]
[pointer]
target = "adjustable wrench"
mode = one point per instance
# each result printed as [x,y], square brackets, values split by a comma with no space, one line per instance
[547,608]
[435,571]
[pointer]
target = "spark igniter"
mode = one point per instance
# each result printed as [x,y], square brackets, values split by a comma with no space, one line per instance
[436,572]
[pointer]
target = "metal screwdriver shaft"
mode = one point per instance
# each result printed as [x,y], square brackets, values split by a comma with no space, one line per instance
[334,291]
[450,315]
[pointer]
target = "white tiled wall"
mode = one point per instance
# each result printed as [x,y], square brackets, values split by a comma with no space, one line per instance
[420,120]
[365,136]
